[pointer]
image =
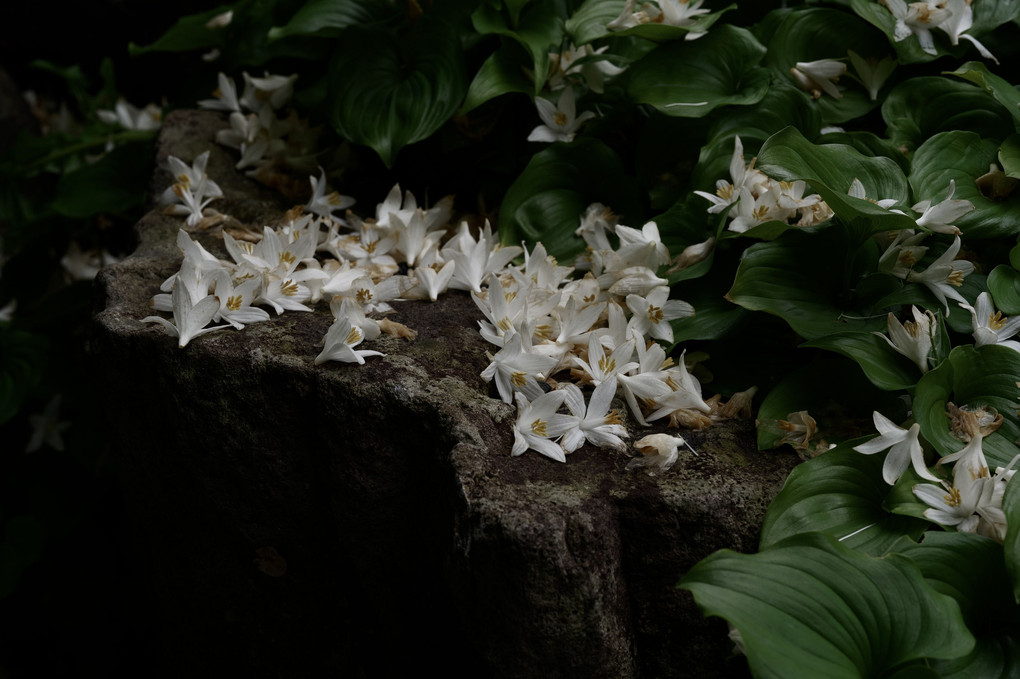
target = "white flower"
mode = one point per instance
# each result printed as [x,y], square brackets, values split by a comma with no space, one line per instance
[944,275]
[653,313]
[516,369]
[47,428]
[341,338]
[990,326]
[537,423]
[131,118]
[917,18]
[905,449]
[819,76]
[561,121]
[235,302]
[224,98]
[593,71]
[937,217]
[324,204]
[189,319]
[658,453]
[960,20]
[914,338]
[596,424]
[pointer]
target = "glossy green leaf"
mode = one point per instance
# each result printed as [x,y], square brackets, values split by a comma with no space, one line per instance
[714,317]
[842,614]
[663,32]
[821,33]
[831,169]
[328,18]
[588,23]
[970,569]
[921,107]
[547,200]
[390,93]
[1005,93]
[963,157]
[885,367]
[1004,285]
[868,144]
[982,376]
[807,280]
[691,79]
[539,30]
[840,493]
[500,74]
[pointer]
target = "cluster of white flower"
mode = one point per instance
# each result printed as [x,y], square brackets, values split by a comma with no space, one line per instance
[191,192]
[264,140]
[751,198]
[598,331]
[953,17]
[973,501]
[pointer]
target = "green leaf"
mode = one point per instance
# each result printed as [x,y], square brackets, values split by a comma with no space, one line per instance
[390,91]
[539,30]
[1005,93]
[500,73]
[191,33]
[328,18]
[588,23]
[885,367]
[547,200]
[963,157]
[830,170]
[840,493]
[811,607]
[1004,285]
[974,377]
[663,32]
[807,279]
[691,79]
[713,318]
[870,145]
[821,33]
[970,569]
[921,107]
[1009,156]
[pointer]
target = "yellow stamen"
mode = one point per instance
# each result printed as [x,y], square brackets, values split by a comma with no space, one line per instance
[953,498]
[504,324]
[287,257]
[289,288]
[607,365]
[354,336]
[955,278]
[517,378]
[538,428]
[996,321]
[654,314]
[560,118]
[234,302]
[613,417]
[364,295]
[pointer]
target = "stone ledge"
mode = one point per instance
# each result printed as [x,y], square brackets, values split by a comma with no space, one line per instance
[300,521]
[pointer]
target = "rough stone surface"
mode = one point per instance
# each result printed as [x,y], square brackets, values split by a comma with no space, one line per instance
[340,520]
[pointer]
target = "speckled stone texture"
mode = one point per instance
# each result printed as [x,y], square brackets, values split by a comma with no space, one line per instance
[369,521]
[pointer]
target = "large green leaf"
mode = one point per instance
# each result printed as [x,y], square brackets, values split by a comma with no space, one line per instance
[1011,545]
[538,29]
[1009,156]
[921,107]
[840,493]
[328,18]
[691,79]
[830,170]
[663,32]
[191,32]
[885,367]
[1004,285]
[588,23]
[822,33]
[1005,93]
[390,91]
[970,569]
[975,377]
[811,607]
[547,200]
[807,279]
[868,144]
[501,73]
[962,157]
